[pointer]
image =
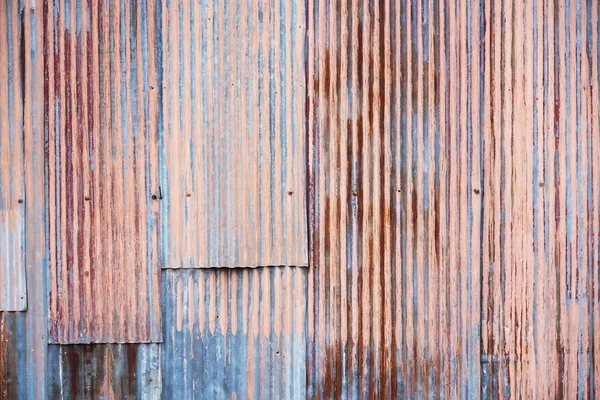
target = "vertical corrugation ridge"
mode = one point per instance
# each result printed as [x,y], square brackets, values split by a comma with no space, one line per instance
[234,333]
[101,124]
[13,291]
[232,156]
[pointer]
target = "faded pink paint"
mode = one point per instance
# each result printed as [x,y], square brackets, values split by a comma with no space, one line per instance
[231,199]
[13,293]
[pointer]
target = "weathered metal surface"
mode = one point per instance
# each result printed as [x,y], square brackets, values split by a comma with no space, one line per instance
[102,109]
[104,371]
[454,199]
[234,333]
[233,158]
[13,293]
[13,382]
[454,194]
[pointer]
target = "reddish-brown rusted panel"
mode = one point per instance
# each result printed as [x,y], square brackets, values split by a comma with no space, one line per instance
[454,191]
[105,371]
[12,168]
[233,150]
[102,110]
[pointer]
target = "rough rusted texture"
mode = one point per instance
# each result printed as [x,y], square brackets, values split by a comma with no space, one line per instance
[12,168]
[105,371]
[233,159]
[101,118]
[453,199]
[235,333]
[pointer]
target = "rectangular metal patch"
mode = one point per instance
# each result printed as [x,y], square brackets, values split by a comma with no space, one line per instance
[12,170]
[233,164]
[101,121]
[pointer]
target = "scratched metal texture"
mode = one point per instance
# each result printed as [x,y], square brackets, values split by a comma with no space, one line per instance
[13,293]
[234,333]
[233,141]
[454,199]
[104,371]
[102,109]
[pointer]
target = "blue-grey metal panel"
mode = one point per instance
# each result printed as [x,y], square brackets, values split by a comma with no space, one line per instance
[234,333]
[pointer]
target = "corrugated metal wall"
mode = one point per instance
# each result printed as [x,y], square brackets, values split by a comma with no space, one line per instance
[453,198]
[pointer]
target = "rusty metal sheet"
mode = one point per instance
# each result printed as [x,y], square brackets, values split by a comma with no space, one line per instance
[102,107]
[13,291]
[541,214]
[233,163]
[454,193]
[104,371]
[235,333]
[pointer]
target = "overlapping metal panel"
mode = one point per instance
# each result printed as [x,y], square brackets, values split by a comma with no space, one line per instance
[104,371]
[235,333]
[13,373]
[102,112]
[233,142]
[453,199]
[13,290]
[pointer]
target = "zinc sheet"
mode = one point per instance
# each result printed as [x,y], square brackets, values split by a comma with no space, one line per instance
[235,333]
[233,142]
[101,122]
[13,293]
[454,191]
